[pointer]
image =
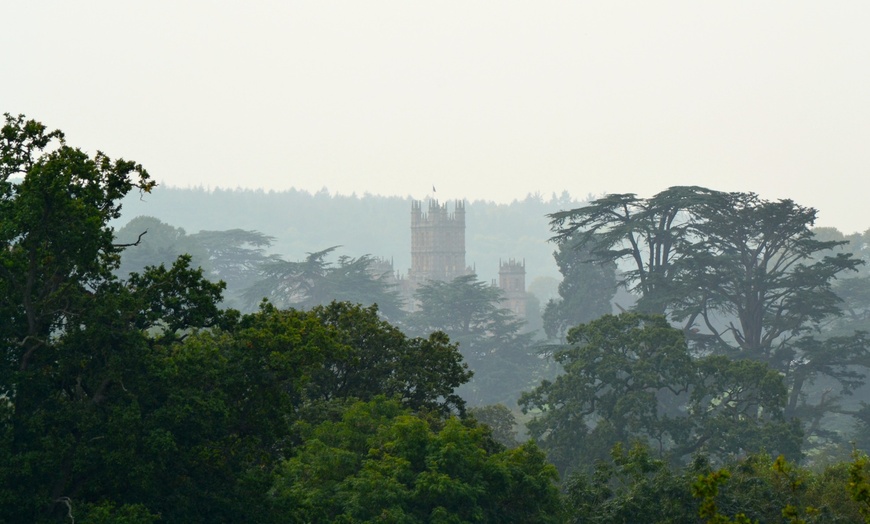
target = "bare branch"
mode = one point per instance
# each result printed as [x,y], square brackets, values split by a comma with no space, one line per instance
[136,243]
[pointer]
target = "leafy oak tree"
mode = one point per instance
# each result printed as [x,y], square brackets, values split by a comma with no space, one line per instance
[375,358]
[380,462]
[632,378]
[74,336]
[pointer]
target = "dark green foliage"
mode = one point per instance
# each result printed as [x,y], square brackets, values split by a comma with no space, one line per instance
[706,488]
[374,358]
[490,337]
[316,282]
[139,399]
[107,513]
[217,414]
[84,361]
[585,292]
[632,486]
[859,484]
[55,245]
[500,420]
[380,462]
[746,277]
[762,489]
[631,377]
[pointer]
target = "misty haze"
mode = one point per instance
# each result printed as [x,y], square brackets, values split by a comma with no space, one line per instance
[428,263]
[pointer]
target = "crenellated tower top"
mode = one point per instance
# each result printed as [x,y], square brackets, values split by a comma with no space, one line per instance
[437,242]
[512,281]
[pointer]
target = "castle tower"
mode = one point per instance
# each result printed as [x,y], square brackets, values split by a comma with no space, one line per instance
[437,242]
[512,281]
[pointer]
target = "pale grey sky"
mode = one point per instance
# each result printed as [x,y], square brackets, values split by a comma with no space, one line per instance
[483,99]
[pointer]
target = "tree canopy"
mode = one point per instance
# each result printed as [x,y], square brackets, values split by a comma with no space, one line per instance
[74,335]
[381,463]
[129,394]
[317,282]
[746,277]
[632,378]
[585,292]
[490,338]
[233,256]
[139,399]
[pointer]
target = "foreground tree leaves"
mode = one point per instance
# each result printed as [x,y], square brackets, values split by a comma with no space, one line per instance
[633,484]
[55,243]
[140,399]
[380,462]
[376,358]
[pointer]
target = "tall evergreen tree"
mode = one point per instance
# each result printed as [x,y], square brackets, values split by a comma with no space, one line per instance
[317,282]
[745,276]
[490,337]
[585,292]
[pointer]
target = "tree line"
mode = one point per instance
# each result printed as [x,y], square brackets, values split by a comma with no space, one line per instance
[130,392]
[139,399]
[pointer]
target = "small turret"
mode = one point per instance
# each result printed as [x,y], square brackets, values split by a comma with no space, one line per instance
[512,281]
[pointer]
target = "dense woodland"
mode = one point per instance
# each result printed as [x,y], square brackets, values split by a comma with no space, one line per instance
[156,372]
[299,223]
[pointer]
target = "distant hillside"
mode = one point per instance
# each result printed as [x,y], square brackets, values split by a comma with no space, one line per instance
[302,222]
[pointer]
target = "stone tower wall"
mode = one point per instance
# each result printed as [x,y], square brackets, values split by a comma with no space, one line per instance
[437,242]
[512,281]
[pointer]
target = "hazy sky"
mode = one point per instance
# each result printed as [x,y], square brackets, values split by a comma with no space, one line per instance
[481,99]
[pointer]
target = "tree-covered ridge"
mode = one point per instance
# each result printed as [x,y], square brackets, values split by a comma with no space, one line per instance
[129,393]
[138,399]
[632,378]
[302,223]
[745,277]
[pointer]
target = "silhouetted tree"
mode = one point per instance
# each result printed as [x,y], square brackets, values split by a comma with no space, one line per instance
[744,275]
[317,282]
[585,292]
